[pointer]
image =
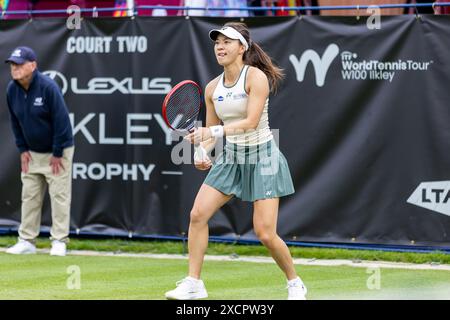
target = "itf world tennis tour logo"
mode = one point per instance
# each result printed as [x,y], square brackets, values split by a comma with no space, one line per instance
[352,66]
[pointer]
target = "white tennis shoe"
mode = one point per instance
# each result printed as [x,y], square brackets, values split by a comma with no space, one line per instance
[188,289]
[58,248]
[22,247]
[296,289]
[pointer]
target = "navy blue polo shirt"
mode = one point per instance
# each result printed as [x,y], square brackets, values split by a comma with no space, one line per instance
[39,116]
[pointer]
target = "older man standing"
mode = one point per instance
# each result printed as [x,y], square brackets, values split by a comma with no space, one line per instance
[43,133]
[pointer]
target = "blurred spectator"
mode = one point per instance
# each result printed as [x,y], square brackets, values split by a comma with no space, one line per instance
[424,9]
[120,5]
[159,11]
[256,3]
[229,4]
[284,4]
[361,12]
[216,4]
[309,3]
[17,5]
[441,10]
[24,5]
[194,4]
[4,5]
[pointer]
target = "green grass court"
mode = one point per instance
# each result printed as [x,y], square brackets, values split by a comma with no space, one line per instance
[44,277]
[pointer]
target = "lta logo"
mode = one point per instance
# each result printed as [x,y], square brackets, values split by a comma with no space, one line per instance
[434,196]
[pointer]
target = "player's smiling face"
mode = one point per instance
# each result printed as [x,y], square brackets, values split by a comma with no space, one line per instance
[227,50]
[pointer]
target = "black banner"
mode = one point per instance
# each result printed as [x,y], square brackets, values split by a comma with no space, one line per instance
[363,117]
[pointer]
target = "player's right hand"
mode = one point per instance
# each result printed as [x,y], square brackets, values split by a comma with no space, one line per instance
[204,164]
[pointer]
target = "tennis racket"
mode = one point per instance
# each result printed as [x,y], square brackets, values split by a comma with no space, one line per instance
[181,108]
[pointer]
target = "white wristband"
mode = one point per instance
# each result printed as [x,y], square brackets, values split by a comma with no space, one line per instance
[216,131]
[200,154]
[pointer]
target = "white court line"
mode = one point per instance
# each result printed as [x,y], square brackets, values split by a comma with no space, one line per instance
[304,262]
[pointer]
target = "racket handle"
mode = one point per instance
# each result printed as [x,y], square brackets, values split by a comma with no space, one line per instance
[200,153]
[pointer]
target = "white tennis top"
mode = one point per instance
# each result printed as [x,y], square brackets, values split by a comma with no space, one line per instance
[230,104]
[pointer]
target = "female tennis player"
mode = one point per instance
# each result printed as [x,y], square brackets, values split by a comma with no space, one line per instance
[251,167]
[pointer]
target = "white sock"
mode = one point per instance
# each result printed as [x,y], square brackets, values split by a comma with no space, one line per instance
[192,279]
[294,281]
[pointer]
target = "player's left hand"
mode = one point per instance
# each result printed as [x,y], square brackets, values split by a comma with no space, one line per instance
[57,165]
[198,135]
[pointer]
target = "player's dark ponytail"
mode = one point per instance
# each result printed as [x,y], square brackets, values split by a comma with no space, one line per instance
[256,57]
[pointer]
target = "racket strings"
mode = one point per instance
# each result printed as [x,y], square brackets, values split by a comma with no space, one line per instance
[183,107]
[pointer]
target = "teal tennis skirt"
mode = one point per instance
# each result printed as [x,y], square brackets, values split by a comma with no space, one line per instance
[251,173]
